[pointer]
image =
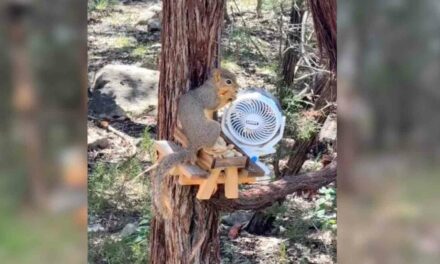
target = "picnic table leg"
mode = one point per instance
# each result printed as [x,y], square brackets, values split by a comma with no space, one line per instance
[206,189]
[231,183]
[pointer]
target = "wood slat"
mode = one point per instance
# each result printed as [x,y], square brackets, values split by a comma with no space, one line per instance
[208,161]
[238,162]
[183,180]
[231,183]
[208,186]
[254,169]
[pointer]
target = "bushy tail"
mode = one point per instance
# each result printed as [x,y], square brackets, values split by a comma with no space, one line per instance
[160,197]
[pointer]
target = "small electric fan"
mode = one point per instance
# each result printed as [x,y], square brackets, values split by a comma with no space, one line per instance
[255,123]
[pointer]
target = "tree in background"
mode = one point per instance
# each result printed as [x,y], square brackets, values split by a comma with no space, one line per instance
[324,18]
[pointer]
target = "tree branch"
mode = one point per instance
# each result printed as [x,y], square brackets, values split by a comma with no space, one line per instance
[262,196]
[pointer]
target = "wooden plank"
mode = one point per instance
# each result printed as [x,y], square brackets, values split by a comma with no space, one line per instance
[192,171]
[231,183]
[254,170]
[166,147]
[206,161]
[209,161]
[204,164]
[243,173]
[184,180]
[208,186]
[238,162]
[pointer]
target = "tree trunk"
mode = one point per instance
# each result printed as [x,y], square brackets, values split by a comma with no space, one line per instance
[190,37]
[26,104]
[259,7]
[325,89]
[291,55]
[324,18]
[227,17]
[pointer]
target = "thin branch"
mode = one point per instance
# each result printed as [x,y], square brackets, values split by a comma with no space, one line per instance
[303,29]
[305,77]
[313,68]
[261,196]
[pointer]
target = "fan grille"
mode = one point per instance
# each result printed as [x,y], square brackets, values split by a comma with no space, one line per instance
[253,121]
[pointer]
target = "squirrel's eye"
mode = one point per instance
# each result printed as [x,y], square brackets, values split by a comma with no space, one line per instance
[228,81]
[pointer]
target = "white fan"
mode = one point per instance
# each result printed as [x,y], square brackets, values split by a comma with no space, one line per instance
[255,123]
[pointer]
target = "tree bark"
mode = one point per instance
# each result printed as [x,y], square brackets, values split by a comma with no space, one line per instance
[262,196]
[259,7]
[190,37]
[291,55]
[324,20]
[325,91]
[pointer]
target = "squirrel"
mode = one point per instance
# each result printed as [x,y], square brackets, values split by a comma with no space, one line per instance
[201,131]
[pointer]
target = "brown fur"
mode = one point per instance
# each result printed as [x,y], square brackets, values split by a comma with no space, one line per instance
[202,132]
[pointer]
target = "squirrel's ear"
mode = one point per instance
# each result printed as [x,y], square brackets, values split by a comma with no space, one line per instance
[216,74]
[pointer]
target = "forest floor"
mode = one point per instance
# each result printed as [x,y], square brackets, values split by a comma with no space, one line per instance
[303,229]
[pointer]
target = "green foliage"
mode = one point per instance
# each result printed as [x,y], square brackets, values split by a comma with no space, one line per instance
[298,125]
[270,69]
[276,209]
[240,48]
[124,42]
[147,144]
[325,210]
[283,253]
[100,5]
[107,184]
[297,230]
[107,181]
[306,127]
[140,51]
[100,180]
[229,64]
[131,249]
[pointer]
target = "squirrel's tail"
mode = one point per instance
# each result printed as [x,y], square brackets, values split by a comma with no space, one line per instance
[160,197]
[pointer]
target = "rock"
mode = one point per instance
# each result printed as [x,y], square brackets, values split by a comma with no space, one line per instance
[311,165]
[119,90]
[238,217]
[102,143]
[156,47]
[128,229]
[154,12]
[234,232]
[328,131]
[96,139]
[145,17]
[95,228]
[154,25]
[157,8]
[282,230]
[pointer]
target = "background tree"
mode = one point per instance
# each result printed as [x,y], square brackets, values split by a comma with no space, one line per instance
[324,86]
[292,52]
